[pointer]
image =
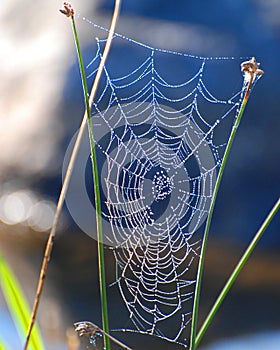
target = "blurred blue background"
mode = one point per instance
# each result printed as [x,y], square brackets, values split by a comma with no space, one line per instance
[41,100]
[243,28]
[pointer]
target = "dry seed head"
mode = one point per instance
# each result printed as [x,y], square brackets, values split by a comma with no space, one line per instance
[67,10]
[251,68]
[86,328]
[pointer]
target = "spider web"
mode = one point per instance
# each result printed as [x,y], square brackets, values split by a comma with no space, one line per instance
[160,133]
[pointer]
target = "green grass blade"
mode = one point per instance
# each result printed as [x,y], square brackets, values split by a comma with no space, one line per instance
[101,260]
[236,271]
[17,305]
[88,99]
[250,74]
[2,346]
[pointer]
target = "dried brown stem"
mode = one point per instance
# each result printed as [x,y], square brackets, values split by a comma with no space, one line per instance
[69,12]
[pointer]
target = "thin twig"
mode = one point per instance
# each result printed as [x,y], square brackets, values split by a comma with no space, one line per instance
[251,70]
[236,272]
[65,185]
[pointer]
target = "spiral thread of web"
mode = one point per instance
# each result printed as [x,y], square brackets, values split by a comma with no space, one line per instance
[158,149]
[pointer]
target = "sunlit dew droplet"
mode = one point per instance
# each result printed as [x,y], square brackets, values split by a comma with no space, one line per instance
[41,215]
[15,207]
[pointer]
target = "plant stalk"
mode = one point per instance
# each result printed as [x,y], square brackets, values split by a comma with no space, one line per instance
[211,209]
[65,185]
[236,272]
[88,101]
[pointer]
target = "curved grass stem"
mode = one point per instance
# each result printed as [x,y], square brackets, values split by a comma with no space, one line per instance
[68,11]
[252,75]
[236,272]
[88,101]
